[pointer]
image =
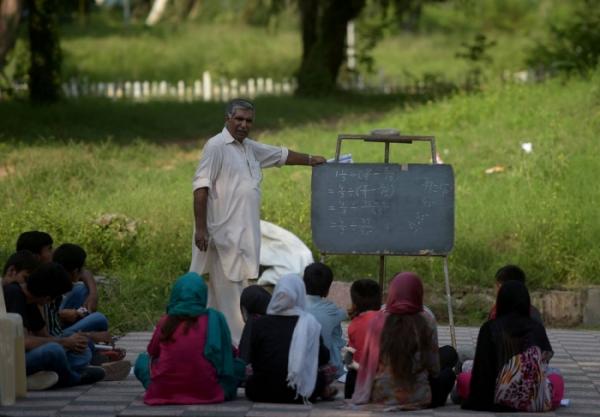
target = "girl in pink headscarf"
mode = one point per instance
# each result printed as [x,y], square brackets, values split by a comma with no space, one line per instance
[400,366]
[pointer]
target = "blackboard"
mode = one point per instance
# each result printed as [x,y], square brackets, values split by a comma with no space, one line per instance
[384,209]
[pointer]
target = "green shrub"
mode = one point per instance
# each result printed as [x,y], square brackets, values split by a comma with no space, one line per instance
[573,46]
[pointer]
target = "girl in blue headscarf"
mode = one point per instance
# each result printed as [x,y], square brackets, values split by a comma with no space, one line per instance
[190,358]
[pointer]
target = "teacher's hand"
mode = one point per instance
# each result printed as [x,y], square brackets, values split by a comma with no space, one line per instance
[201,239]
[317,160]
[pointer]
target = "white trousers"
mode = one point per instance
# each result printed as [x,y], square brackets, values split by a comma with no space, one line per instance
[224,295]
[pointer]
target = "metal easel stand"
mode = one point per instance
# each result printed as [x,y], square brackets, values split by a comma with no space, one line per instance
[388,136]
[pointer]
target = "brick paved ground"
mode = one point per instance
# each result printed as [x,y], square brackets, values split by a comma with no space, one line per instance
[577,355]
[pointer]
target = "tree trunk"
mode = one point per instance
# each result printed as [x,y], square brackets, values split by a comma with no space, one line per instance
[323,42]
[44,71]
[10,14]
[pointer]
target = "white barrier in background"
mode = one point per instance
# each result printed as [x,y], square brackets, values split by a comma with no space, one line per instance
[206,89]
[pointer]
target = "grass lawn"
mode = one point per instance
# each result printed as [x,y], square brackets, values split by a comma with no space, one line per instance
[63,169]
[172,52]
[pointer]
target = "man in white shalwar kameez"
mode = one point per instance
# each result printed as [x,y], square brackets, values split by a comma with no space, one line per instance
[227,209]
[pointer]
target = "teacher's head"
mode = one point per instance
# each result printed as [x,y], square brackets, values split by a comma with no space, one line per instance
[239,116]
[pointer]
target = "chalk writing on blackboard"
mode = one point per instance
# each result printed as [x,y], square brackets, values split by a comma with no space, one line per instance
[383,208]
[362,226]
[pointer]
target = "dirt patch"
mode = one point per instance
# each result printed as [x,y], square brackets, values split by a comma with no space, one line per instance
[6,170]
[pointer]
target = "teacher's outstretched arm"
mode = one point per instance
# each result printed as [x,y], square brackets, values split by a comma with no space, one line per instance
[201,232]
[297,158]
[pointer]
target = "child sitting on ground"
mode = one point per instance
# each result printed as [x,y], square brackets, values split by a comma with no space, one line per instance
[18,267]
[253,303]
[318,278]
[400,366]
[286,350]
[75,312]
[65,359]
[40,244]
[70,311]
[66,315]
[510,370]
[505,274]
[189,359]
[512,273]
[366,301]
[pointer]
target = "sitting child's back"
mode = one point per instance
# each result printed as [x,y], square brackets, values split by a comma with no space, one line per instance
[318,278]
[182,374]
[189,359]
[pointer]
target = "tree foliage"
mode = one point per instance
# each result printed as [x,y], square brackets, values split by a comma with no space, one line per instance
[572,47]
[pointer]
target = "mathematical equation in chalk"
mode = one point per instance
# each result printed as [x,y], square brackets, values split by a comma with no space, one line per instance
[362,226]
[385,174]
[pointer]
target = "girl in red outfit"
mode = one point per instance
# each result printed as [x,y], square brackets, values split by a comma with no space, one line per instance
[366,301]
[400,363]
[190,358]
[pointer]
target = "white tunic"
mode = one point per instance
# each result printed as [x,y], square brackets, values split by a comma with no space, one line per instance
[232,173]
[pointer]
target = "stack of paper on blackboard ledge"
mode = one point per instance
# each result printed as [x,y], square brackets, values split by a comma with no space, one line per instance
[344,159]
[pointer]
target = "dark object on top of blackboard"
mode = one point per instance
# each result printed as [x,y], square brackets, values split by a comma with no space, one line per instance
[383,209]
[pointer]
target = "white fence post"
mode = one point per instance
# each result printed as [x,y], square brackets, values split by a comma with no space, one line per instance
[181,90]
[197,90]
[73,88]
[146,89]
[260,86]
[251,88]
[204,89]
[207,88]
[163,88]
[110,90]
[224,90]
[127,92]
[233,88]
[137,90]
[119,90]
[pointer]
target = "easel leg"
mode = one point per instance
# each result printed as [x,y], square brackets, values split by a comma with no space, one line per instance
[449,301]
[381,272]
